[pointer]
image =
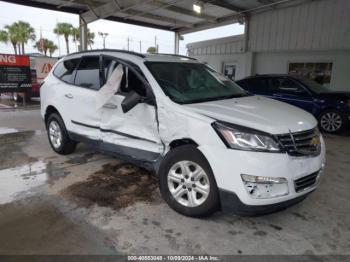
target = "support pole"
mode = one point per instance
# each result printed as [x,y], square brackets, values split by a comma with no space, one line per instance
[246,32]
[177,43]
[83,34]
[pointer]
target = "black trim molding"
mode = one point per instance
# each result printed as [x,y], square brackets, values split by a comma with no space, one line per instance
[231,204]
[113,132]
[142,158]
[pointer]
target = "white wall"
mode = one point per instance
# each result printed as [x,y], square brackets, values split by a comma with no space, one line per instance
[243,61]
[316,31]
[277,62]
[220,46]
[314,25]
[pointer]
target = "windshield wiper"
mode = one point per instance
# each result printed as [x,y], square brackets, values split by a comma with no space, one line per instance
[208,99]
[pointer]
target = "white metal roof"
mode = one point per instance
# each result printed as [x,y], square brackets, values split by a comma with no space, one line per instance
[173,15]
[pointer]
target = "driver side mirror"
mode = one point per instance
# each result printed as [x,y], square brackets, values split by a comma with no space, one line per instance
[130,101]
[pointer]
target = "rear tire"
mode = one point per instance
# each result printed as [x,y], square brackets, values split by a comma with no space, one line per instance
[331,121]
[58,135]
[187,182]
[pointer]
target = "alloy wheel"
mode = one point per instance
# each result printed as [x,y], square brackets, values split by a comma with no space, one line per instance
[55,134]
[188,183]
[331,122]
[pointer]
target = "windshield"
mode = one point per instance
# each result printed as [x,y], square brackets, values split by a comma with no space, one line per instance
[314,86]
[187,83]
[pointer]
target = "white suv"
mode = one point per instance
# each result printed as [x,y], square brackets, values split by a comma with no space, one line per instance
[210,143]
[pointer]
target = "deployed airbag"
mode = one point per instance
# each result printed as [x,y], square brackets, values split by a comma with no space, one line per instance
[112,85]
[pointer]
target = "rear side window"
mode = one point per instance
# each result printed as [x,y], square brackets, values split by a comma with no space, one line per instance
[65,69]
[88,73]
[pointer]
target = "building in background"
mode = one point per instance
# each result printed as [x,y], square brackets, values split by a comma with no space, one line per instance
[310,39]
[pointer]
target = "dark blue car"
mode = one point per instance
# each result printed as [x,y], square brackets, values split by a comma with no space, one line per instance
[332,109]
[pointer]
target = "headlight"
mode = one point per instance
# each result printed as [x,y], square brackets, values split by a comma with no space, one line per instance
[265,187]
[236,138]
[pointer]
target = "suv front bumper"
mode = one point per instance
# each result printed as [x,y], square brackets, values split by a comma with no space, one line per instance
[228,165]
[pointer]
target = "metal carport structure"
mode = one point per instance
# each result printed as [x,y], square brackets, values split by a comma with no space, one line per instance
[172,15]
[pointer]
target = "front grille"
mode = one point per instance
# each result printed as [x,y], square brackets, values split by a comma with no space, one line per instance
[304,143]
[305,182]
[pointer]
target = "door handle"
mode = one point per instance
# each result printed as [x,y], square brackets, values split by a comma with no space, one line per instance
[70,96]
[110,106]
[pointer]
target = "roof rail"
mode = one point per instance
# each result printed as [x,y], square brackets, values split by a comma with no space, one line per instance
[183,56]
[109,50]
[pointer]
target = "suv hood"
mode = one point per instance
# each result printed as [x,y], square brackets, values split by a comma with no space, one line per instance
[259,113]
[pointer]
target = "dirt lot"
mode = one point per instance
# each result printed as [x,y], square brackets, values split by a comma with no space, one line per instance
[88,203]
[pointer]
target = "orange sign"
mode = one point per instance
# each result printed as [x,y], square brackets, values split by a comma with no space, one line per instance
[14,60]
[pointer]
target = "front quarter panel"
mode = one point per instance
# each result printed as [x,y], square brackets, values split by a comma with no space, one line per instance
[228,164]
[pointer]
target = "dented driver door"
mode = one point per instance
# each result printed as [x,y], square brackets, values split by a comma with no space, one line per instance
[134,133]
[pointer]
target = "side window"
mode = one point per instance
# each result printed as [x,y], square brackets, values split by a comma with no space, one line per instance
[286,86]
[108,67]
[65,69]
[130,80]
[255,84]
[133,82]
[88,73]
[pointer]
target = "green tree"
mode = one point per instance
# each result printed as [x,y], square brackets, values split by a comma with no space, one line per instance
[75,32]
[42,45]
[151,50]
[13,35]
[64,29]
[51,47]
[4,36]
[90,38]
[25,33]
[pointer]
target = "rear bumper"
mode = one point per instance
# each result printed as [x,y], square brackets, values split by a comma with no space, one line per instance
[231,204]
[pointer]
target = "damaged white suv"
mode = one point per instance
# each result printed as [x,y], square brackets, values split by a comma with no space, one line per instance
[210,143]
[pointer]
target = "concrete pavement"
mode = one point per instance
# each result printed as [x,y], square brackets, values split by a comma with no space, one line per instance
[51,204]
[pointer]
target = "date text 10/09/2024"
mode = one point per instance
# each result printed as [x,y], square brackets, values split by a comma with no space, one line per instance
[173,258]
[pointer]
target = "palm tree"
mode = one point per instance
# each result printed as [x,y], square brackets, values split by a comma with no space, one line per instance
[4,36]
[64,29]
[51,47]
[90,38]
[25,33]
[76,35]
[42,45]
[13,35]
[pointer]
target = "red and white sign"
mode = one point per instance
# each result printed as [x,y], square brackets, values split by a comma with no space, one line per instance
[14,60]
[43,66]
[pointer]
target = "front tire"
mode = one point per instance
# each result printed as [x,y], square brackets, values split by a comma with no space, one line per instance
[58,135]
[331,121]
[187,182]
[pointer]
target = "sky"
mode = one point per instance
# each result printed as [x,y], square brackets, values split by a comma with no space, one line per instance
[44,21]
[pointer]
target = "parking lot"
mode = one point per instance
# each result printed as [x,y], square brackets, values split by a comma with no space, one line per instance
[89,203]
